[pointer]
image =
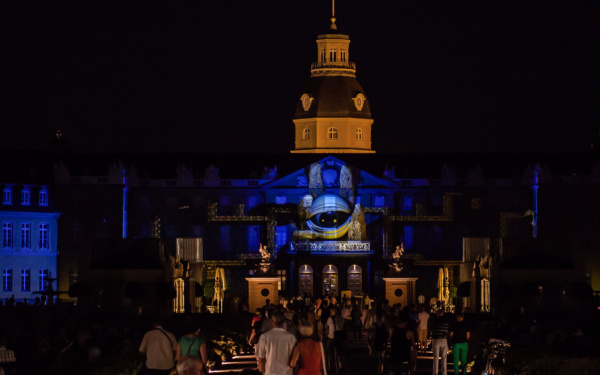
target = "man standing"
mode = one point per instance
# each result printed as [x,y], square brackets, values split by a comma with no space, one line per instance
[160,347]
[460,337]
[275,348]
[439,341]
[423,319]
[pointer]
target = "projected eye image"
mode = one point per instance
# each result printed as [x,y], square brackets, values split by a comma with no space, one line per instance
[329,216]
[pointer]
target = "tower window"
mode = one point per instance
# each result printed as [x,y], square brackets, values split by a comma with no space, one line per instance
[359,135]
[306,134]
[323,55]
[332,133]
[343,55]
[332,55]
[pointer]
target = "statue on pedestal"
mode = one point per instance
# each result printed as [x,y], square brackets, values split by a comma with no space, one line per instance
[397,266]
[265,263]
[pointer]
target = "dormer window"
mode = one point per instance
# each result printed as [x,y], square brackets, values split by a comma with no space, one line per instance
[359,135]
[25,197]
[306,134]
[43,197]
[7,196]
[332,54]
[332,133]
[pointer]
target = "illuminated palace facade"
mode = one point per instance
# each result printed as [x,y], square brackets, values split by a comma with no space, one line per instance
[331,214]
[477,230]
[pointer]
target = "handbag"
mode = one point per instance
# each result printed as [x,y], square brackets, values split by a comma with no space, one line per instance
[188,355]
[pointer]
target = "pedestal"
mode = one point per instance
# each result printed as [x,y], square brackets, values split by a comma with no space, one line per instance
[260,289]
[400,290]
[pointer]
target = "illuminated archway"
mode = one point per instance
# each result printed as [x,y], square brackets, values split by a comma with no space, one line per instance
[355,279]
[306,280]
[330,279]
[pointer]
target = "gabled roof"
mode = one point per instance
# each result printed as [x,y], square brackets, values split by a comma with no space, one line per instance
[298,178]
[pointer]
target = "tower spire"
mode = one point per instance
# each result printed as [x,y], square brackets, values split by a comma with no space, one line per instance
[333,26]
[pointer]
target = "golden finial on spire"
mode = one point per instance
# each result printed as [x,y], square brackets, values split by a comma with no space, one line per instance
[333,26]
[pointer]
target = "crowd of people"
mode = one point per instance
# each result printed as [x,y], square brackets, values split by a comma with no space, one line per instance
[301,335]
[314,335]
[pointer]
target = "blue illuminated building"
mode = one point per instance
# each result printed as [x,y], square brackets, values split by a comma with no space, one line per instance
[28,256]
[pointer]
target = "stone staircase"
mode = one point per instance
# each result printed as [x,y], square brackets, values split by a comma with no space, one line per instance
[237,364]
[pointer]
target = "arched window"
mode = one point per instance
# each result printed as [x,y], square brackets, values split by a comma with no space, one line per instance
[323,55]
[359,135]
[43,197]
[26,197]
[332,133]
[343,55]
[306,280]
[330,279]
[332,55]
[355,279]
[306,134]
[7,196]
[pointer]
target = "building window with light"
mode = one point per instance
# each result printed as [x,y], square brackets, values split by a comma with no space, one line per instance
[355,279]
[44,240]
[7,235]
[332,55]
[282,279]
[306,280]
[7,280]
[43,201]
[26,280]
[359,135]
[330,280]
[25,197]
[306,134]
[332,133]
[43,280]
[7,196]
[26,235]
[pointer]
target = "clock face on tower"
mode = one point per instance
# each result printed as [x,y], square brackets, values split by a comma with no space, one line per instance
[359,101]
[306,101]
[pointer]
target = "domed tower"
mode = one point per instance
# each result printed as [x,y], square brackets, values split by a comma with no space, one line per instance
[333,114]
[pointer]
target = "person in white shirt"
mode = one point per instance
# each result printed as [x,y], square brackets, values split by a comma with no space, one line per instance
[275,347]
[160,348]
[423,320]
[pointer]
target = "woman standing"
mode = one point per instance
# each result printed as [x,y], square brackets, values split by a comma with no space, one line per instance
[308,357]
[192,344]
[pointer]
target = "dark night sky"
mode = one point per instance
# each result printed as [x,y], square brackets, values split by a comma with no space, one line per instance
[223,76]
